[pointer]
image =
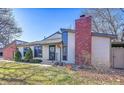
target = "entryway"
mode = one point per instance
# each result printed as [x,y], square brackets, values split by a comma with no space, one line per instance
[52,50]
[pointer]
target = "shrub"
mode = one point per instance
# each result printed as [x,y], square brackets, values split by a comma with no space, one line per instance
[56,64]
[85,57]
[17,56]
[28,55]
[59,64]
[22,60]
[35,61]
[31,61]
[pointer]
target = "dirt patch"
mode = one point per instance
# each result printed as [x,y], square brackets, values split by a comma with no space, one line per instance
[113,75]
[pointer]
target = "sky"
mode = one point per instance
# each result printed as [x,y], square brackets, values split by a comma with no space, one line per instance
[38,23]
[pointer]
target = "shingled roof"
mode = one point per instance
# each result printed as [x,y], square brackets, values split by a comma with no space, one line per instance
[48,40]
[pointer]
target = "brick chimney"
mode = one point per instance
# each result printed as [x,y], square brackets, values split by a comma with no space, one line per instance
[83,40]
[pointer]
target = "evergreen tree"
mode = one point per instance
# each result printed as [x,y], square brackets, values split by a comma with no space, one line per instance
[17,56]
[29,55]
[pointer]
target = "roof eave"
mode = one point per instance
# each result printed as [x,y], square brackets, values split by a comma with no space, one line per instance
[103,35]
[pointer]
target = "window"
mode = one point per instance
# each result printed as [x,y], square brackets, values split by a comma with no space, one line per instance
[65,45]
[65,38]
[1,54]
[64,52]
[25,50]
[38,51]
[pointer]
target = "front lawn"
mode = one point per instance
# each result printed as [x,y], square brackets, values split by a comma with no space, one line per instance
[19,73]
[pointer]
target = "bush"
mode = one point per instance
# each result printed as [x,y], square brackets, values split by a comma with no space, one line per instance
[17,56]
[31,61]
[56,64]
[59,64]
[35,61]
[28,55]
[22,60]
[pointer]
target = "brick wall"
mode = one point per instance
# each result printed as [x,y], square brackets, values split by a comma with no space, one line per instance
[83,40]
[8,51]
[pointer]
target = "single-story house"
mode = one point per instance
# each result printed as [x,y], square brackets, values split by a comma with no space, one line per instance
[73,46]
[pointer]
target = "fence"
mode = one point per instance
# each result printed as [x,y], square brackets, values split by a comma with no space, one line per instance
[117,57]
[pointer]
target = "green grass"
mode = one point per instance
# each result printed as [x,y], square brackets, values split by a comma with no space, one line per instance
[19,73]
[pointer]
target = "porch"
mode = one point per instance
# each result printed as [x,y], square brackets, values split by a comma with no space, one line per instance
[52,53]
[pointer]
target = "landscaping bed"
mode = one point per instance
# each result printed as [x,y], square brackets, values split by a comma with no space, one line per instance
[14,73]
[35,61]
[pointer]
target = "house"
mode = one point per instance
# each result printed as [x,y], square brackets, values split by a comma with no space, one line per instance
[72,46]
[54,47]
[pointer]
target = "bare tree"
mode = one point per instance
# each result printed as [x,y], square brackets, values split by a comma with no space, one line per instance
[106,20]
[122,33]
[8,27]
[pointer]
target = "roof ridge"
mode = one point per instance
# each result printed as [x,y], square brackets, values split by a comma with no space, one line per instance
[52,35]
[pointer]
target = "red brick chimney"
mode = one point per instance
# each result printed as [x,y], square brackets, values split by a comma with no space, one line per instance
[83,40]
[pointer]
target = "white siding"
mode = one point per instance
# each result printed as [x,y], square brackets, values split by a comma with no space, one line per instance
[100,51]
[45,51]
[71,48]
[58,53]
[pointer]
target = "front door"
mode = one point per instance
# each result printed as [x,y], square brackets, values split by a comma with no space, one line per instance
[52,52]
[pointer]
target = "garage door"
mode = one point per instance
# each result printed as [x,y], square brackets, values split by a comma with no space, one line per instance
[118,57]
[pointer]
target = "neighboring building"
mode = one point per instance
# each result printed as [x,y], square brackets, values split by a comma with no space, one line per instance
[9,50]
[1,50]
[79,46]
[1,53]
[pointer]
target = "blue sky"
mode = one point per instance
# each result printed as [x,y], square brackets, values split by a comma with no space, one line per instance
[39,22]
